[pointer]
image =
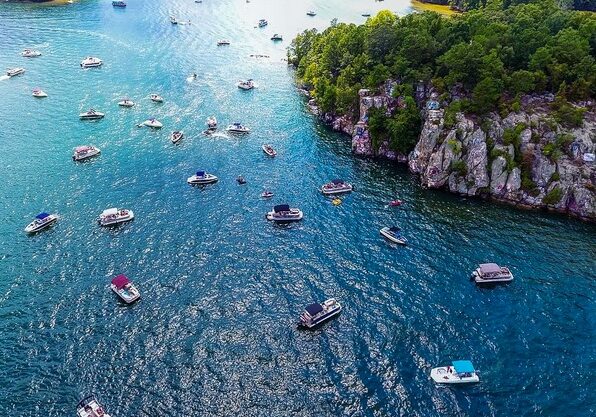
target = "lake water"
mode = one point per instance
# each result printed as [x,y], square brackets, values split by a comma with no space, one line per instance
[214,333]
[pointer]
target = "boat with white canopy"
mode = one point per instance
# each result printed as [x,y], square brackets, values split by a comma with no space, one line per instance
[90,407]
[125,289]
[460,372]
[114,216]
[336,186]
[80,153]
[491,273]
[91,62]
[283,213]
[317,313]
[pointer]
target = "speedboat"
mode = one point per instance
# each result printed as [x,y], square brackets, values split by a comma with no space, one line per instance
[241,180]
[237,128]
[268,149]
[153,123]
[460,372]
[39,93]
[246,85]
[91,62]
[114,215]
[15,71]
[81,153]
[336,186]
[125,289]
[176,136]
[41,221]
[311,13]
[277,37]
[91,115]
[223,42]
[488,273]
[126,103]
[173,20]
[394,235]
[201,178]
[30,53]
[90,407]
[212,123]
[283,213]
[119,3]
[317,313]
[263,23]
[156,98]
[266,194]
[395,203]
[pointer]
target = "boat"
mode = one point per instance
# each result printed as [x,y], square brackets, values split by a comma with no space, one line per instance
[125,289]
[241,180]
[173,20]
[126,103]
[114,216]
[202,178]
[156,98]
[211,123]
[246,85]
[365,14]
[268,149]
[223,42]
[317,313]
[237,128]
[266,194]
[90,407]
[39,93]
[277,37]
[41,221]
[176,136]
[395,203]
[460,372]
[30,53]
[263,23]
[13,72]
[283,213]
[336,186]
[80,153]
[91,115]
[152,123]
[118,3]
[491,272]
[311,13]
[394,235]
[91,62]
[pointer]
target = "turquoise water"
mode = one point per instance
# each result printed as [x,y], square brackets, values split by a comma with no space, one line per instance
[213,334]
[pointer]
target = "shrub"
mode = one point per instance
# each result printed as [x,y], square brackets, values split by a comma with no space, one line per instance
[567,114]
[551,151]
[459,167]
[555,177]
[455,145]
[553,196]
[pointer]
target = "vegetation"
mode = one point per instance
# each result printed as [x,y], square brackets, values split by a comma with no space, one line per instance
[459,167]
[474,4]
[553,196]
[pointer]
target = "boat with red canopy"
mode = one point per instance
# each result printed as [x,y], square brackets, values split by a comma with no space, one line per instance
[125,289]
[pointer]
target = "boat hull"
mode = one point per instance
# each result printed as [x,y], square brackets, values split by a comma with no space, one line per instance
[285,219]
[112,222]
[389,236]
[329,191]
[34,228]
[124,294]
[442,375]
[479,280]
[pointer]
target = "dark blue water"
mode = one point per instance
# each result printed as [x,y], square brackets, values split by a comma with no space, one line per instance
[213,334]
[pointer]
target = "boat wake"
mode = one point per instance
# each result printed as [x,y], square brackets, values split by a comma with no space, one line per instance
[4,77]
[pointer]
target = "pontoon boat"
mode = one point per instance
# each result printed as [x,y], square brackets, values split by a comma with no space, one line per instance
[336,186]
[91,62]
[113,216]
[201,178]
[42,220]
[125,289]
[489,273]
[81,153]
[15,71]
[317,313]
[283,213]
[460,372]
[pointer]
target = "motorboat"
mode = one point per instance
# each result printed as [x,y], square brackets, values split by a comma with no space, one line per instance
[395,203]
[202,178]
[283,213]
[240,180]
[394,235]
[317,313]
[125,289]
[211,123]
[39,93]
[336,186]
[41,221]
[491,272]
[156,98]
[13,72]
[91,62]
[223,42]
[176,136]
[114,216]
[311,13]
[268,149]
[460,372]
[246,85]
[90,407]
[266,194]
[30,53]
[91,114]
[173,20]
[277,37]
[126,103]
[365,14]
[263,23]
[119,3]
[237,128]
[152,123]
[80,153]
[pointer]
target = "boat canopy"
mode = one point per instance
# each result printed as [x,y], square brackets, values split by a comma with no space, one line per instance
[314,309]
[394,228]
[337,181]
[110,212]
[463,367]
[42,216]
[200,174]
[120,281]
[82,148]
[489,268]
[281,207]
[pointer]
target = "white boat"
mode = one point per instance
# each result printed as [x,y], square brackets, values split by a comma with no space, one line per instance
[394,235]
[311,13]
[268,149]
[90,407]
[126,103]
[460,372]
[246,85]
[41,221]
[91,62]
[80,153]
[39,93]
[156,98]
[114,216]
[237,128]
[277,37]
[30,53]
[336,186]
[176,136]
[266,194]
[223,42]
[91,114]
[211,123]
[153,123]
[201,178]
[125,289]
[283,213]
[13,72]
[317,313]
[263,23]
[491,272]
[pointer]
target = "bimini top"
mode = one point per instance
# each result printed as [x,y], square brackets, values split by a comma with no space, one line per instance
[120,281]
[394,229]
[489,268]
[110,212]
[281,207]
[463,367]
[42,216]
[200,173]
[314,309]
[337,181]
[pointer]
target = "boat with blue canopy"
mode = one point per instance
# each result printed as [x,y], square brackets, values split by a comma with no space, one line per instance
[41,221]
[202,178]
[317,313]
[283,213]
[460,372]
[393,234]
